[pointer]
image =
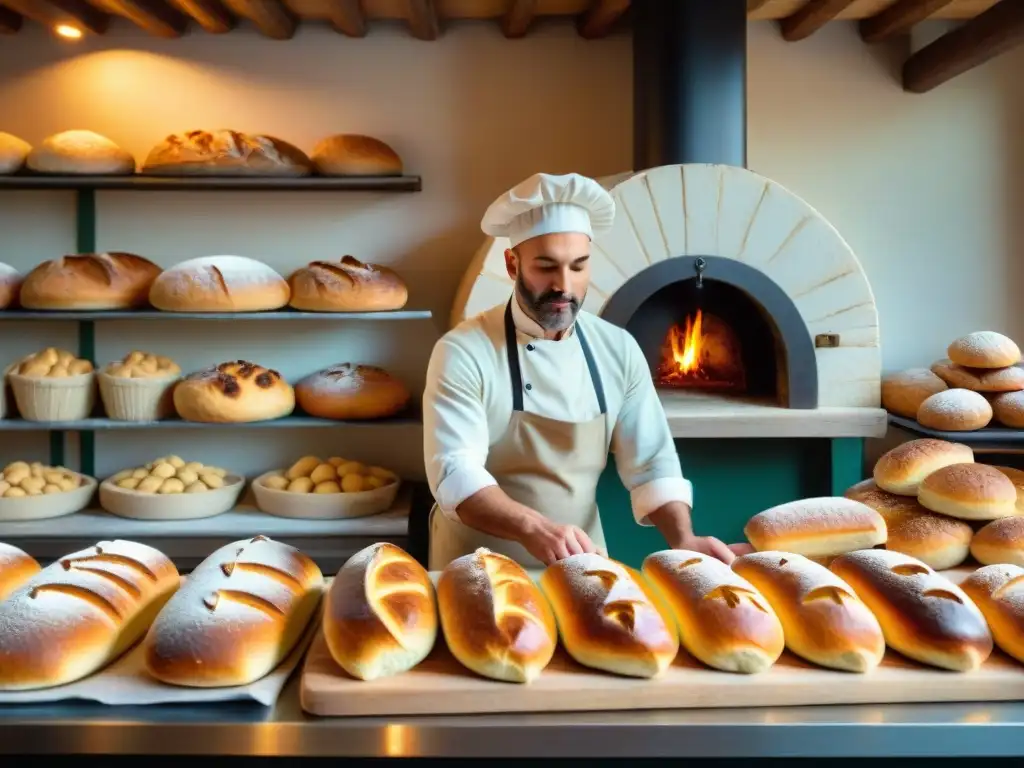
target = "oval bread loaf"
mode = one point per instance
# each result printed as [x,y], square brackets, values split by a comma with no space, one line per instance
[239,614]
[900,470]
[1001,541]
[80,152]
[998,591]
[348,285]
[351,392]
[225,152]
[90,281]
[723,621]
[353,154]
[16,567]
[239,391]
[495,620]
[817,527]
[219,284]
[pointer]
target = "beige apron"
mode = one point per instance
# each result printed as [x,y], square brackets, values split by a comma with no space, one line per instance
[549,465]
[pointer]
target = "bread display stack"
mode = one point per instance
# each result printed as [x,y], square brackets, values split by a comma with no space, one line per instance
[53,385]
[90,281]
[80,152]
[16,567]
[350,391]
[219,284]
[348,285]
[234,392]
[139,387]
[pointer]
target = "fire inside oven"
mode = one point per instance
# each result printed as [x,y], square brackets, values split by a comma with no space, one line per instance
[703,352]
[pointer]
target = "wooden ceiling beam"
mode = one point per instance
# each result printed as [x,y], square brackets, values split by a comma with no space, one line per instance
[516,21]
[422,18]
[153,16]
[271,17]
[10,22]
[984,37]
[810,18]
[51,13]
[597,21]
[208,14]
[899,18]
[346,17]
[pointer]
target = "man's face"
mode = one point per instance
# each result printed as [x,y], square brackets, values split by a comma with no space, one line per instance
[552,274]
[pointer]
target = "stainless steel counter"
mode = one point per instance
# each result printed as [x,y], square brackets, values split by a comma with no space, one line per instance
[931,730]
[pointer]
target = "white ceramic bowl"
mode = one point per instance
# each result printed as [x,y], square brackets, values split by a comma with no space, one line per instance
[138,505]
[322,506]
[48,505]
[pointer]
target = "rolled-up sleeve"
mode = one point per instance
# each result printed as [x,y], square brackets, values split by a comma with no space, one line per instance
[455,435]
[645,455]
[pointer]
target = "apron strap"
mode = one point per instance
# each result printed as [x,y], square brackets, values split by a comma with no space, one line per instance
[595,376]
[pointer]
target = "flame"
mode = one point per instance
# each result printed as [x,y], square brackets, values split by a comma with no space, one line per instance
[686,344]
[701,352]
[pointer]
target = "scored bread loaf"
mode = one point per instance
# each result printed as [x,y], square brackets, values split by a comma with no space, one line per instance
[225,153]
[722,619]
[969,491]
[495,620]
[353,154]
[81,613]
[904,391]
[998,591]
[822,618]
[10,286]
[924,615]
[348,285]
[609,617]
[817,527]
[1001,541]
[380,614]
[91,281]
[219,284]
[80,152]
[238,615]
[234,392]
[351,391]
[16,567]
[900,470]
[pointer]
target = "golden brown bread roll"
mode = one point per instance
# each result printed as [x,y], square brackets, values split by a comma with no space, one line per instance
[901,469]
[16,567]
[13,152]
[239,614]
[904,391]
[984,349]
[955,410]
[1016,477]
[219,284]
[351,154]
[924,615]
[608,616]
[936,540]
[1001,541]
[348,285]
[1009,379]
[10,285]
[380,617]
[817,527]
[822,618]
[495,620]
[234,392]
[80,152]
[351,391]
[998,591]
[81,613]
[1008,409]
[891,506]
[91,281]
[722,619]
[969,491]
[225,153]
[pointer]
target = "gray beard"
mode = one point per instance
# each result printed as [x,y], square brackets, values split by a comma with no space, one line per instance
[538,307]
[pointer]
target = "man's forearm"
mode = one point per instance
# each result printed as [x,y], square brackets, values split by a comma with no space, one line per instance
[673,522]
[492,511]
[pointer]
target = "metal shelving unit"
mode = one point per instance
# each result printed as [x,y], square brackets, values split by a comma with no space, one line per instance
[139,182]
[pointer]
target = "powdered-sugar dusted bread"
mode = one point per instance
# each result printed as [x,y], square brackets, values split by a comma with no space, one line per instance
[238,391]
[80,152]
[220,284]
[609,617]
[924,615]
[955,410]
[91,281]
[380,617]
[239,614]
[351,391]
[904,391]
[891,506]
[10,284]
[723,620]
[984,349]
[901,469]
[13,152]
[225,153]
[1009,379]
[79,614]
[969,491]
[938,541]
[16,567]
[817,527]
[348,285]
[822,618]
[1008,409]
[998,591]
[1001,541]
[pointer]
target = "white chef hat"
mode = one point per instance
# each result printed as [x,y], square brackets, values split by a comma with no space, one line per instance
[544,204]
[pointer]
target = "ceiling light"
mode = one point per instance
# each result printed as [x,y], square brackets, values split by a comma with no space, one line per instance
[66,30]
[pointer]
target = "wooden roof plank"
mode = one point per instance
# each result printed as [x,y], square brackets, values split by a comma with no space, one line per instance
[346,17]
[153,16]
[811,17]
[899,18]
[50,13]
[975,42]
[516,21]
[208,14]
[10,21]
[271,17]
[422,18]
[599,19]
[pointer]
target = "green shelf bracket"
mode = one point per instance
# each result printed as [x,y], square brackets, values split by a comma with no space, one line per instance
[85,242]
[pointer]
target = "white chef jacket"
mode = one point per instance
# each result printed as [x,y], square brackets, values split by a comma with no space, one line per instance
[467,404]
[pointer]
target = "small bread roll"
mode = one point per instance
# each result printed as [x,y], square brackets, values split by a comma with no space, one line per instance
[1017,478]
[901,469]
[1008,409]
[1010,379]
[276,483]
[891,506]
[937,541]
[322,473]
[303,467]
[300,485]
[970,492]
[904,391]
[998,591]
[327,486]
[924,615]
[1001,541]
[955,410]
[984,349]
[723,620]
[818,527]
[822,618]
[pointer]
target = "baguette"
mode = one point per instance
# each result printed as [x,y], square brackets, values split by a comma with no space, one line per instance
[240,613]
[495,620]
[998,591]
[823,619]
[723,620]
[380,617]
[608,617]
[16,567]
[818,527]
[81,613]
[924,615]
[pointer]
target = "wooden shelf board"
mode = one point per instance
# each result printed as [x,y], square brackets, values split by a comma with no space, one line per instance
[102,424]
[284,314]
[217,183]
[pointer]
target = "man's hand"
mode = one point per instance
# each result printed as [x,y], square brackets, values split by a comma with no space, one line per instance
[550,542]
[712,547]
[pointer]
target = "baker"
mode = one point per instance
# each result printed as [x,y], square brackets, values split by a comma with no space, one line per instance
[523,402]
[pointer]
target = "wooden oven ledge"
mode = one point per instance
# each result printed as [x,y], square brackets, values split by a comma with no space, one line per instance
[694,415]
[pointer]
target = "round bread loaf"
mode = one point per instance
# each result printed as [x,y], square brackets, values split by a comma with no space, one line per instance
[1001,541]
[225,153]
[1008,409]
[940,542]
[80,152]
[346,286]
[349,154]
[984,349]
[998,591]
[1009,379]
[1017,478]
[904,391]
[901,469]
[955,410]
[16,567]
[234,392]
[969,492]
[891,506]
[219,284]
[13,152]
[91,281]
[10,285]
[351,391]
[817,527]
